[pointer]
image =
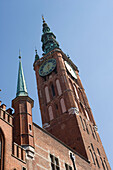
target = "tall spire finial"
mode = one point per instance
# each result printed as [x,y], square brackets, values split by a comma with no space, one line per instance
[19,54]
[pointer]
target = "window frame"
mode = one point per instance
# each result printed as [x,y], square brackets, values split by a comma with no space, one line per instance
[2,138]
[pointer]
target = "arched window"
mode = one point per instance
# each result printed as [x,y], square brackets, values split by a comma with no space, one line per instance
[92,131]
[95,156]
[50,113]
[47,94]
[71,84]
[82,123]
[63,107]
[82,109]
[75,89]
[86,126]
[101,159]
[76,105]
[2,147]
[92,157]
[105,164]
[95,134]
[58,87]
[53,90]
[87,116]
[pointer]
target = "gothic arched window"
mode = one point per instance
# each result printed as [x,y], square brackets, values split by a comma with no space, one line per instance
[76,105]
[75,89]
[101,159]
[53,90]
[2,146]
[86,113]
[92,157]
[50,113]
[58,87]
[47,94]
[63,107]
[82,123]
[86,127]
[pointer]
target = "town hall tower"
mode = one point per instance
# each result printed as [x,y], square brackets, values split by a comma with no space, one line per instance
[65,110]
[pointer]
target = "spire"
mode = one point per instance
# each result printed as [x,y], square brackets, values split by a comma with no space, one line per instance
[36,55]
[21,85]
[48,39]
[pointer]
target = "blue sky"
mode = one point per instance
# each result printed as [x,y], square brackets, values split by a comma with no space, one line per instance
[84,30]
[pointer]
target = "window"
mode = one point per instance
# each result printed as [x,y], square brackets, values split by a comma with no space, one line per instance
[82,108]
[102,163]
[53,90]
[82,123]
[91,154]
[58,87]
[63,107]
[50,113]
[76,104]
[54,163]
[87,116]
[75,89]
[56,106]
[96,160]
[2,147]
[101,159]
[105,164]
[92,131]
[67,167]
[23,168]
[95,134]
[30,127]
[95,156]
[47,94]
[86,126]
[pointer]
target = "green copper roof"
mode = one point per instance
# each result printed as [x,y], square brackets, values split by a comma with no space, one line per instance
[48,39]
[21,85]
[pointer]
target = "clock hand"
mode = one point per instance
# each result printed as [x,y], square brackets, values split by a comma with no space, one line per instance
[48,66]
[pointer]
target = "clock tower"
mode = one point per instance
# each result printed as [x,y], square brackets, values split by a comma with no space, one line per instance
[65,110]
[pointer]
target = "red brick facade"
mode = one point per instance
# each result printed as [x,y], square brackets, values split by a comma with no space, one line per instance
[69,139]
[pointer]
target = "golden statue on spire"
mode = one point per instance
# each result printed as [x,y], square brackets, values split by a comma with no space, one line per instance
[43,19]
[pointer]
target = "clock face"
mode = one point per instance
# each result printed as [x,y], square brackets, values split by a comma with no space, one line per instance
[70,69]
[47,67]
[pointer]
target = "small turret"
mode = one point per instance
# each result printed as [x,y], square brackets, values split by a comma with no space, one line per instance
[23,125]
[36,56]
